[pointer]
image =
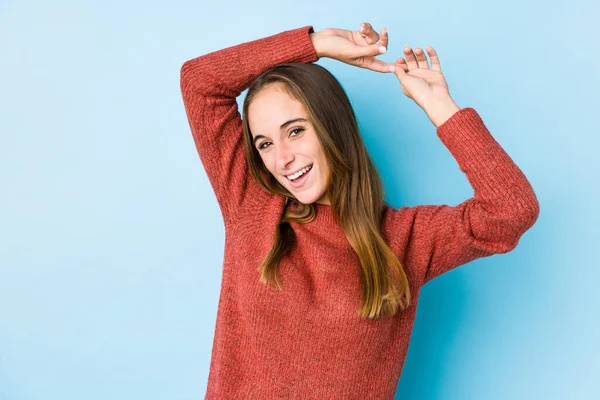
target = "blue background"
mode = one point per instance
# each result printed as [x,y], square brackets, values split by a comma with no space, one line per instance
[111,240]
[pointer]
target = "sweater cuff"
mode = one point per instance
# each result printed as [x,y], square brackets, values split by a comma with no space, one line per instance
[300,43]
[467,137]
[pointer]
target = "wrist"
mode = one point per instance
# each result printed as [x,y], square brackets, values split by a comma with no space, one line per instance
[317,41]
[440,110]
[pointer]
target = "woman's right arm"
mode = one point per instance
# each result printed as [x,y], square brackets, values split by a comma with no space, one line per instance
[209,86]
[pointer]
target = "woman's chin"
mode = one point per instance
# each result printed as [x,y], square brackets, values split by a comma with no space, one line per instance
[307,198]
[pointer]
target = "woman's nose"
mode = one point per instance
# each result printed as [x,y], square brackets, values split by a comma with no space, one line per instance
[285,155]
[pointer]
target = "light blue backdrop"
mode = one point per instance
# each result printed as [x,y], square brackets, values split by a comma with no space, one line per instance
[111,240]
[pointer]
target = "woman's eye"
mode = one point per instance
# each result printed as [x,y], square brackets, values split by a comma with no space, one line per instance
[298,130]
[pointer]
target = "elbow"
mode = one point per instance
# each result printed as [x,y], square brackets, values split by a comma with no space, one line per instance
[184,76]
[501,232]
[190,75]
[533,215]
[528,212]
[524,219]
[196,78]
[521,213]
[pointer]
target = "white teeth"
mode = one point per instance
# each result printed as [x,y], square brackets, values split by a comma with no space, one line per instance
[299,173]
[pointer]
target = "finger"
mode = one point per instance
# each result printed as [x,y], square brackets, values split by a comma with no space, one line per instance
[435,61]
[402,63]
[384,38]
[366,29]
[411,60]
[399,71]
[421,58]
[377,65]
[371,50]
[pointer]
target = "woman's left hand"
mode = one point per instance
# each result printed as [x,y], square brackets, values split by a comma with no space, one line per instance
[424,84]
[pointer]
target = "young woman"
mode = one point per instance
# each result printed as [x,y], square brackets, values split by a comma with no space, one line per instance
[321,277]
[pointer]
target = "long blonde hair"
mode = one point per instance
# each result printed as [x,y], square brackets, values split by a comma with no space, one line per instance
[354,188]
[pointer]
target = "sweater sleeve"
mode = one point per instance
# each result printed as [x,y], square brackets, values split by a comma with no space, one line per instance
[503,207]
[209,86]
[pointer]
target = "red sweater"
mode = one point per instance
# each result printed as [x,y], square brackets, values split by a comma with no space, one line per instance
[307,341]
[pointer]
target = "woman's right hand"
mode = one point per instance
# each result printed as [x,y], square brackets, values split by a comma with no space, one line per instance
[358,48]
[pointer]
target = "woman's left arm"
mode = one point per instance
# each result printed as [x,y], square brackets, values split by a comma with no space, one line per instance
[504,204]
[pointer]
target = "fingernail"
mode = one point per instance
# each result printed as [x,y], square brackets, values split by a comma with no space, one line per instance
[392,69]
[382,49]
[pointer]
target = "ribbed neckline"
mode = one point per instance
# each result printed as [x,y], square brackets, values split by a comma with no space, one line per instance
[324,214]
[320,206]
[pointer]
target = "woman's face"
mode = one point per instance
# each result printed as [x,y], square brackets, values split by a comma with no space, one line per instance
[288,147]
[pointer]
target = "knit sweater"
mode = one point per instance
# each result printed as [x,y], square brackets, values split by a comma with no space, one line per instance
[307,341]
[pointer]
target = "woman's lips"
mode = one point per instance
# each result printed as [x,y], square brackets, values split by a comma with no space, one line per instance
[300,181]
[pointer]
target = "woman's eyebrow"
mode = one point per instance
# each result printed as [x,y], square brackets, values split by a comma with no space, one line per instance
[291,121]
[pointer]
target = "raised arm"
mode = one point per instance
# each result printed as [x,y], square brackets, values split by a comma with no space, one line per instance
[209,86]
[439,238]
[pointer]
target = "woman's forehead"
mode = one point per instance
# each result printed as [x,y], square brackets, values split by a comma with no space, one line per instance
[267,113]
